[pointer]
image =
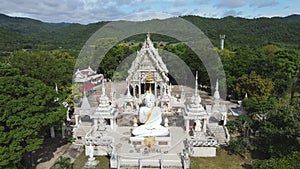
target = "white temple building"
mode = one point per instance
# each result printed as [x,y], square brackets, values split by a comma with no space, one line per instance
[147,126]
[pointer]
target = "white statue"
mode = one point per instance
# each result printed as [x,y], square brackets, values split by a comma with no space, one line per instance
[91,152]
[166,122]
[198,125]
[151,118]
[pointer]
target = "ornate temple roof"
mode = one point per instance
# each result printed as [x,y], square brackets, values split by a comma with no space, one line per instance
[148,59]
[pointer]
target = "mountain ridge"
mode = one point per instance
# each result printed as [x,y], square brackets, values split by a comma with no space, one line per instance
[35,34]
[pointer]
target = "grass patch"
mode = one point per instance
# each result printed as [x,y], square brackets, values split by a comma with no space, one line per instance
[82,159]
[222,161]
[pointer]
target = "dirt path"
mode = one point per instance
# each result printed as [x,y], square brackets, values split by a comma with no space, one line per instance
[59,151]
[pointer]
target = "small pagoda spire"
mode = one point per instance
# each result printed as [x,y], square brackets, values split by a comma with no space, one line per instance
[103,87]
[148,35]
[85,102]
[128,90]
[112,92]
[217,94]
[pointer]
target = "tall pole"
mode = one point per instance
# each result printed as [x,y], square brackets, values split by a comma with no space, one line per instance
[222,37]
[196,84]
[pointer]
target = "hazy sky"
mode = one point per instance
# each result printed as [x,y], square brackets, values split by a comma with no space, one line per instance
[87,11]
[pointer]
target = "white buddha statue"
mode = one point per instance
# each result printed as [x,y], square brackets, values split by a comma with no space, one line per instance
[150,116]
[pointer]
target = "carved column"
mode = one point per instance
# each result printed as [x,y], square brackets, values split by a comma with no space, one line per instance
[225,118]
[111,123]
[140,90]
[134,86]
[187,125]
[76,120]
[155,90]
[161,89]
[204,124]
[96,122]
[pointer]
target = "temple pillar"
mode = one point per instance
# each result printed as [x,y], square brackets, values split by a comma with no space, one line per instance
[161,89]
[140,92]
[79,119]
[134,86]
[155,90]
[76,120]
[112,123]
[118,162]
[187,125]
[204,125]
[225,118]
[96,122]
[52,132]
[63,128]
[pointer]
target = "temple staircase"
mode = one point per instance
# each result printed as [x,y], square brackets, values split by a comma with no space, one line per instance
[220,133]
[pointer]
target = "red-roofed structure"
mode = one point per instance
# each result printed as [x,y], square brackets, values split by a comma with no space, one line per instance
[88,86]
[87,75]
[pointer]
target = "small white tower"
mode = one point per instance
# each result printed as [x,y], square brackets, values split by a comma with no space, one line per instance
[222,37]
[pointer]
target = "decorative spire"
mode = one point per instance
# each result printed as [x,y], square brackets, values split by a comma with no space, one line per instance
[112,93]
[148,35]
[128,91]
[103,87]
[217,94]
[85,102]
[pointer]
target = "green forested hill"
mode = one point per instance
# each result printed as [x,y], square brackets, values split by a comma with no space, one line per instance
[257,32]
[261,59]
[251,32]
[34,34]
[24,26]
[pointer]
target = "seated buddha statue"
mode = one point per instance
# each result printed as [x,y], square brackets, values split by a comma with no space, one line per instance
[150,117]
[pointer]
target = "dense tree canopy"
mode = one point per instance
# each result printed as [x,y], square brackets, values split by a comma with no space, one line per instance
[27,107]
[254,86]
[49,67]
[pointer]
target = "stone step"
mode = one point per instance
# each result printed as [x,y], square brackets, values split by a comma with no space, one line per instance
[170,160]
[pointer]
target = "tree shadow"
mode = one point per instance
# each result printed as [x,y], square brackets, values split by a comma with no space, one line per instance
[257,154]
[247,166]
[47,149]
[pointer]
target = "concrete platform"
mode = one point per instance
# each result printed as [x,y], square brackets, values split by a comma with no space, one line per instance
[130,155]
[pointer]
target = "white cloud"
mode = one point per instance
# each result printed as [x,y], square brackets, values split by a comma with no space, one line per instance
[263,3]
[87,11]
[142,16]
[83,11]
[201,1]
[231,3]
[232,13]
